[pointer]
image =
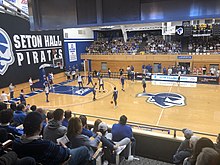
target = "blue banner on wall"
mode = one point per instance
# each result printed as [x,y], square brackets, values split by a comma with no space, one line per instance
[184,57]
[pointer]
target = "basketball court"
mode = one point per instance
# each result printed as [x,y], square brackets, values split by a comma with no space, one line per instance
[168,104]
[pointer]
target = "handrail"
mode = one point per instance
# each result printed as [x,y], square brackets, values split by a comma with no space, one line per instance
[130,54]
[162,128]
[10,10]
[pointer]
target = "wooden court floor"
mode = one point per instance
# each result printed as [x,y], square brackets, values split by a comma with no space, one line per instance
[200,113]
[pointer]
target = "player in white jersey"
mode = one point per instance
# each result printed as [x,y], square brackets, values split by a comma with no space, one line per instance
[11,90]
[80,81]
[4,96]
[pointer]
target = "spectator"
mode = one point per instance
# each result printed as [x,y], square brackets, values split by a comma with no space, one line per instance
[103,128]
[11,158]
[200,144]
[217,145]
[13,106]
[43,151]
[85,130]
[19,115]
[6,117]
[67,115]
[3,106]
[208,156]
[33,108]
[184,149]
[121,131]
[54,128]
[96,124]
[49,115]
[3,137]
[77,139]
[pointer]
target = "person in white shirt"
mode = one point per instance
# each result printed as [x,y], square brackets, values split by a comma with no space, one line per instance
[80,81]
[47,91]
[31,84]
[128,72]
[218,73]
[101,84]
[169,71]
[212,70]
[4,96]
[11,90]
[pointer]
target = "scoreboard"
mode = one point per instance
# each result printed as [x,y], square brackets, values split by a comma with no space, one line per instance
[199,30]
[202,30]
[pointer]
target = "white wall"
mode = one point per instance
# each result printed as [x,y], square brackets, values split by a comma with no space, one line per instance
[78,33]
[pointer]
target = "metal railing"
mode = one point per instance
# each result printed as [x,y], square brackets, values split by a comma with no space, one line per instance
[148,127]
[10,8]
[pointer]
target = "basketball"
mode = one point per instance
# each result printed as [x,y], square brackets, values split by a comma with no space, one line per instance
[111,102]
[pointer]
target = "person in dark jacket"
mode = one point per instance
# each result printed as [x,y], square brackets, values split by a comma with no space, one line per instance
[19,115]
[44,151]
[67,115]
[11,158]
[5,119]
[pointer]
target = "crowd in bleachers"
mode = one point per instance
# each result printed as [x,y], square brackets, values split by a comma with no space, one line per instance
[115,46]
[55,137]
[210,45]
[156,44]
[153,44]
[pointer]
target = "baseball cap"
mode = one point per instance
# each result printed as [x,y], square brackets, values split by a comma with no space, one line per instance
[187,133]
[102,126]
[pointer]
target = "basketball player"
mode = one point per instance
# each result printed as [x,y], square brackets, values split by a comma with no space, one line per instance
[45,82]
[144,84]
[47,91]
[122,78]
[80,81]
[22,97]
[109,73]
[115,97]
[101,84]
[11,90]
[31,84]
[94,91]
[4,97]
[50,79]
[73,74]
[132,76]
[90,79]
[179,74]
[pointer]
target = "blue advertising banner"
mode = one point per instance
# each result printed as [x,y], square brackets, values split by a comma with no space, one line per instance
[184,57]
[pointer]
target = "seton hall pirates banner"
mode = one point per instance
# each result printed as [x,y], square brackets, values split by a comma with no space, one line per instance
[22,51]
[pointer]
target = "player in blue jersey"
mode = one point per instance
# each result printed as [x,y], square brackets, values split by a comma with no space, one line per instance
[122,79]
[90,79]
[115,97]
[94,91]
[22,97]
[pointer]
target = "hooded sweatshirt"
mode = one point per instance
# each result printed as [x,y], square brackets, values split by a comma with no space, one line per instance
[54,130]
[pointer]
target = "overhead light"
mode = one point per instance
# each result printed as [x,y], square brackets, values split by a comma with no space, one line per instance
[106,27]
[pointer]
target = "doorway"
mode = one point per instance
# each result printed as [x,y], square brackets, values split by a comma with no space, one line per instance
[186,66]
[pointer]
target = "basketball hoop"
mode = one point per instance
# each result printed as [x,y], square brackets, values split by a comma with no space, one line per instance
[58,63]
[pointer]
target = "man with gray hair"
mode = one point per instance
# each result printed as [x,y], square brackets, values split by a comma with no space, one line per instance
[184,149]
